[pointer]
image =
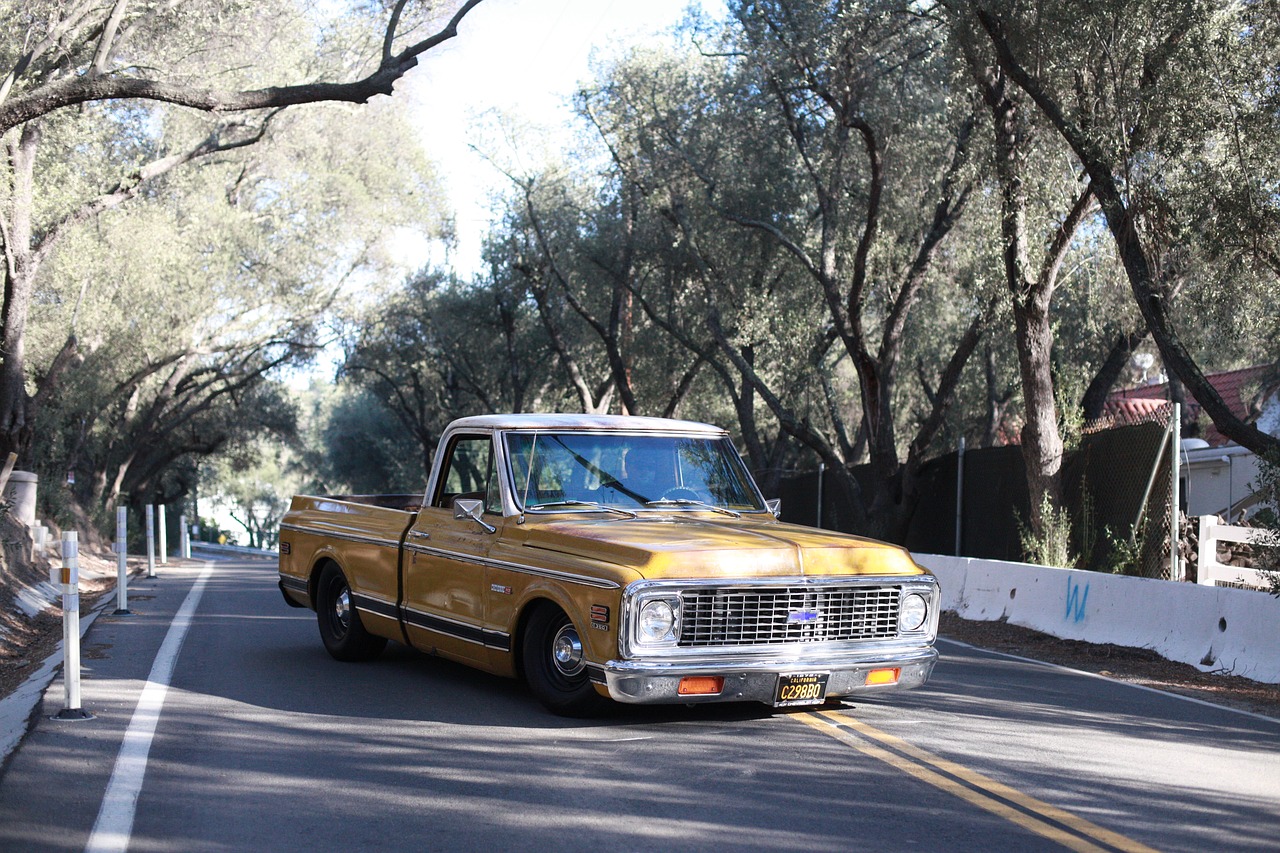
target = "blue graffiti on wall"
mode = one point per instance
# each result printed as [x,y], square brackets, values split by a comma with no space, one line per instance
[1075,601]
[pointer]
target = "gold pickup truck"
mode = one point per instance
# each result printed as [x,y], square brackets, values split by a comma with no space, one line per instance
[606,557]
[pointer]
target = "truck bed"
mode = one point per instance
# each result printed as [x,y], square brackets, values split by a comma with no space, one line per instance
[407,503]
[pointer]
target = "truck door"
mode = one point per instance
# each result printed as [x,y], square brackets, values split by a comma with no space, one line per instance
[444,560]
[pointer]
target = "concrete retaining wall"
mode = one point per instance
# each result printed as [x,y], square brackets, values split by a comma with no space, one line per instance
[1215,629]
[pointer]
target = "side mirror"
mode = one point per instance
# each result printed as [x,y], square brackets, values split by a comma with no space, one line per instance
[474,510]
[774,505]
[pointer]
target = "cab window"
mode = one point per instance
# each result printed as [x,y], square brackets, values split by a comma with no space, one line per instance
[468,472]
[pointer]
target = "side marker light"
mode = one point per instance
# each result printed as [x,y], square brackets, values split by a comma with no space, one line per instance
[882,676]
[701,685]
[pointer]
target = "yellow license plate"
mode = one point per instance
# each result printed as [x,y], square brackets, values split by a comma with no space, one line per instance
[807,688]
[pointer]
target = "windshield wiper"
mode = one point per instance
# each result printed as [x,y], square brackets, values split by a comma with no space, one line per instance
[690,502]
[590,504]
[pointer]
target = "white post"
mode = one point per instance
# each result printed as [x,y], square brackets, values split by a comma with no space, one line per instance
[1175,426]
[1231,489]
[959,494]
[822,469]
[184,538]
[71,627]
[122,559]
[163,532]
[151,540]
[1208,551]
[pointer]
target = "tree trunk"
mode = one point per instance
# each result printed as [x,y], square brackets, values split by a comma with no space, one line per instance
[997,401]
[15,426]
[1030,296]
[1102,171]
[1094,401]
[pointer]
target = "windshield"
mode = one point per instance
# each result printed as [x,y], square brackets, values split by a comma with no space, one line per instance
[580,470]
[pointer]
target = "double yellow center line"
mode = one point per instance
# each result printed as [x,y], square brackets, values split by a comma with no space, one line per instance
[1051,822]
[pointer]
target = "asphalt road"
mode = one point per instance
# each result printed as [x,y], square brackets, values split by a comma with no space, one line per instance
[262,742]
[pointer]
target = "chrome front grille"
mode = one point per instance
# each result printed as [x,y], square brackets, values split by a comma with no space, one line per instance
[749,616]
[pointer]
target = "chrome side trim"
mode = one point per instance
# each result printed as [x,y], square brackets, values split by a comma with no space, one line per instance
[374,606]
[348,537]
[567,577]
[499,640]
[596,673]
[294,583]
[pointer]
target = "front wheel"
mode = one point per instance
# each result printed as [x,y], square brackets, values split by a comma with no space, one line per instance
[555,666]
[343,633]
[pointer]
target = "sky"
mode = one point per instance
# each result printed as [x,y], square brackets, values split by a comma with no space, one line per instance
[521,59]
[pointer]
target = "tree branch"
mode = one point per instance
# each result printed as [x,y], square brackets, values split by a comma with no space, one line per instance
[108,87]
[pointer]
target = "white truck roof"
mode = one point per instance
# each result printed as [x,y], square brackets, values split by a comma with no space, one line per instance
[621,423]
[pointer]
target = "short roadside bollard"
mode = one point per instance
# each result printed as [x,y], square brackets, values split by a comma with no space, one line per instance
[122,561]
[162,530]
[71,628]
[151,541]
[184,538]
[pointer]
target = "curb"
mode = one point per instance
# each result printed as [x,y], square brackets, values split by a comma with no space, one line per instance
[19,708]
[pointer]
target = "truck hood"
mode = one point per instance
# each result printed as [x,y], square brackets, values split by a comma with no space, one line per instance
[688,546]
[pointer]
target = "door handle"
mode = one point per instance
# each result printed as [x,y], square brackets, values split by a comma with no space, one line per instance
[419,534]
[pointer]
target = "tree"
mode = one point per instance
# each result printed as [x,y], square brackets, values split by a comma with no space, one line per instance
[868,174]
[171,316]
[111,58]
[1145,92]
[359,446]
[434,349]
[1030,285]
[255,485]
[542,253]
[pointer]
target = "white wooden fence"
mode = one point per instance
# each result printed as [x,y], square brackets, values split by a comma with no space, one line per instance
[1209,571]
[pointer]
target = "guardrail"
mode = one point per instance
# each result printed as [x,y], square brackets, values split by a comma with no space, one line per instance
[1213,628]
[1210,572]
[231,549]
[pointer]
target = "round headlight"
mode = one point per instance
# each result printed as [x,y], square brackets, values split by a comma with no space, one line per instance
[912,612]
[657,619]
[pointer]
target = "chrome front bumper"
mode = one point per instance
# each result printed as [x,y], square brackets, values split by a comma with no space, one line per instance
[756,680]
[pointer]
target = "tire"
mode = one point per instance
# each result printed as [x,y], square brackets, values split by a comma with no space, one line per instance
[559,681]
[343,633]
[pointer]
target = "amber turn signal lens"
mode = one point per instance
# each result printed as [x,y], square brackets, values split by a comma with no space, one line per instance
[882,676]
[701,685]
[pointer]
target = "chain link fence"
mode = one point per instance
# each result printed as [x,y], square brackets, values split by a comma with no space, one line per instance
[1117,488]
[1117,491]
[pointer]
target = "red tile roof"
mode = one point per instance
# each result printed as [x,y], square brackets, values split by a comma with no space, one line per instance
[1236,387]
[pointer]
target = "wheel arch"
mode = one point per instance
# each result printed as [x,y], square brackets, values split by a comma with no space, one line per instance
[527,611]
[313,578]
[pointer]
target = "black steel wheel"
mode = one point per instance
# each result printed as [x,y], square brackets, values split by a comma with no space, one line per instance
[343,633]
[555,666]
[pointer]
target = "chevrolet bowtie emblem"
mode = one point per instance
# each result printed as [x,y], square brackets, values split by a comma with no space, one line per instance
[802,617]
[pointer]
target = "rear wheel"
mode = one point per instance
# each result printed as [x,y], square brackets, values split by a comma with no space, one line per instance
[555,665]
[341,630]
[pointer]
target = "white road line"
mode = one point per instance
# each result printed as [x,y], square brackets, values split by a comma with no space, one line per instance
[114,826]
[1169,693]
